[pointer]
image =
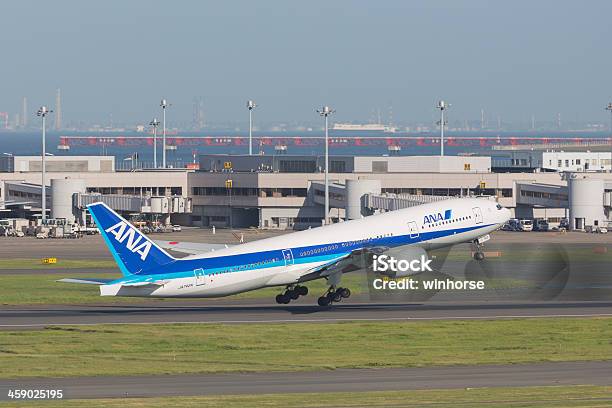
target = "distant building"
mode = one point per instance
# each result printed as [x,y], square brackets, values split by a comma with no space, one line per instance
[555,161]
[197,121]
[287,191]
[24,112]
[30,164]
[58,109]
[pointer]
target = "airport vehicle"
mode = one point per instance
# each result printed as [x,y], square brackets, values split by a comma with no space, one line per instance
[541,225]
[288,260]
[514,224]
[526,225]
[176,228]
[602,230]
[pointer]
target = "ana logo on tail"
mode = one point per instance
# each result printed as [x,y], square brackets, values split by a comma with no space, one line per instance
[122,231]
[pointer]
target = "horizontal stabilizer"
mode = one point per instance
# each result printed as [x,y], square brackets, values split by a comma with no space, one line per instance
[191,248]
[144,283]
[86,281]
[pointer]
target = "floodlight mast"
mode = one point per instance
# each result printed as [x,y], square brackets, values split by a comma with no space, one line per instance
[164,104]
[325,111]
[609,109]
[43,111]
[155,124]
[250,106]
[442,105]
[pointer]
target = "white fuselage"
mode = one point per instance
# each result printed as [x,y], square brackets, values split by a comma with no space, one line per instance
[292,258]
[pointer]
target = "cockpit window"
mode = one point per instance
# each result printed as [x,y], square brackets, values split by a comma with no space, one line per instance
[499,207]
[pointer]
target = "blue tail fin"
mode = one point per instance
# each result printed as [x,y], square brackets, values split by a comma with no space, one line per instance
[133,251]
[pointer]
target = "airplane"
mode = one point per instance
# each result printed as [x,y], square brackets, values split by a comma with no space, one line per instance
[289,260]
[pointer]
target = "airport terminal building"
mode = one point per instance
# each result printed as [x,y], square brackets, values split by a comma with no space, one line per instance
[287,191]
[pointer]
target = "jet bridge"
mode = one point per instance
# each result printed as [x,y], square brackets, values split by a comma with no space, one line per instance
[363,197]
[136,204]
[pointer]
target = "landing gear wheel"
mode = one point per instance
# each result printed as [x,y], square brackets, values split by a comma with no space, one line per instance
[344,292]
[293,294]
[323,301]
[479,255]
[334,296]
[281,299]
[302,290]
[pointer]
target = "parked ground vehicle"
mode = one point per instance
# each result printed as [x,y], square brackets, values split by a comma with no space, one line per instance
[176,228]
[514,224]
[601,230]
[541,225]
[526,225]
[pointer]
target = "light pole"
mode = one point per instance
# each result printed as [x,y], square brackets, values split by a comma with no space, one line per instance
[609,109]
[43,111]
[155,124]
[442,106]
[229,184]
[164,104]
[325,111]
[250,106]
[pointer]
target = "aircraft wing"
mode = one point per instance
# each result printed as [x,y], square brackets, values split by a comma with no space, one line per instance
[345,263]
[353,261]
[190,248]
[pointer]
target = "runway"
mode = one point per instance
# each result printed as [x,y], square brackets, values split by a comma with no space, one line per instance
[345,380]
[33,317]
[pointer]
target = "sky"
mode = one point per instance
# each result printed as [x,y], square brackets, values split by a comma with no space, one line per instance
[512,58]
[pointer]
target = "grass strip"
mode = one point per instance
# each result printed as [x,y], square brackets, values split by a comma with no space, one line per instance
[525,397]
[68,351]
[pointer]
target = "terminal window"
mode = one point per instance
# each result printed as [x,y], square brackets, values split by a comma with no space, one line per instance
[380,167]
[337,166]
[297,166]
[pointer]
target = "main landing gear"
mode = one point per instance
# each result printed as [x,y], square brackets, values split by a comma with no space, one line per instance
[292,293]
[334,295]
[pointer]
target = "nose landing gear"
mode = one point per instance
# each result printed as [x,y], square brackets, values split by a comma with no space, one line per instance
[478,246]
[334,295]
[292,293]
